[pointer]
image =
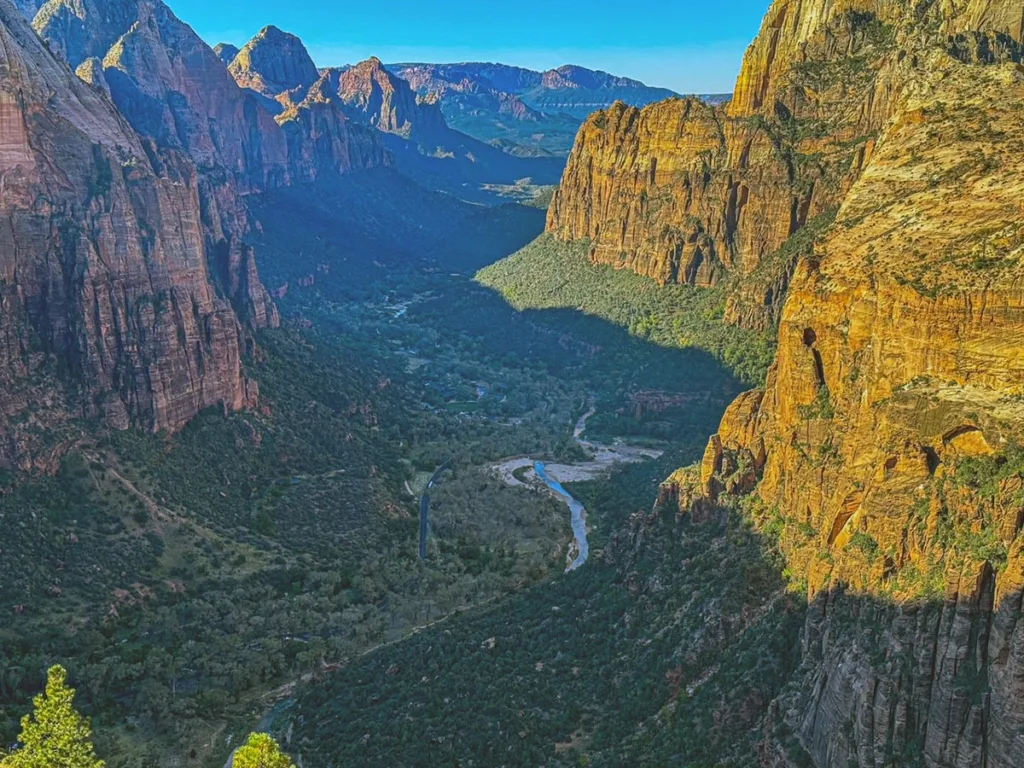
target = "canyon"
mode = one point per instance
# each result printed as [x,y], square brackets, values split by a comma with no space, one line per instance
[835,577]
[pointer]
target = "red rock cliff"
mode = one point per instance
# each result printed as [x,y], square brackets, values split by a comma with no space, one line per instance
[106,265]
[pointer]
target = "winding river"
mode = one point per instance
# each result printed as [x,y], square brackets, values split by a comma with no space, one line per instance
[579,516]
[604,457]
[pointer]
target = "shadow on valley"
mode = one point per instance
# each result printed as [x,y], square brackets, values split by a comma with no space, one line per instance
[369,224]
[670,646]
[192,584]
[412,254]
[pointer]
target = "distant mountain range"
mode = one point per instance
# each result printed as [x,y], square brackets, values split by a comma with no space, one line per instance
[539,110]
[276,66]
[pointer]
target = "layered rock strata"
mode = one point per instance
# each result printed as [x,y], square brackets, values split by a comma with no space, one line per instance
[112,274]
[883,451]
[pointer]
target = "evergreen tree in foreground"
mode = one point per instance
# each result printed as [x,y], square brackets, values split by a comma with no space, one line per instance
[261,751]
[54,735]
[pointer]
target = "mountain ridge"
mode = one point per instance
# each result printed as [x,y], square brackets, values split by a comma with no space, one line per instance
[540,109]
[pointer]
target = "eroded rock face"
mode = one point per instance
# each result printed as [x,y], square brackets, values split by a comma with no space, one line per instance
[77,30]
[883,445]
[324,139]
[672,192]
[320,137]
[174,88]
[274,62]
[107,273]
[376,96]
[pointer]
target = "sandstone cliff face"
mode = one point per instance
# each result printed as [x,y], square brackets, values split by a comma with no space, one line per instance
[882,451]
[672,192]
[684,192]
[77,30]
[174,88]
[107,276]
[171,86]
[321,137]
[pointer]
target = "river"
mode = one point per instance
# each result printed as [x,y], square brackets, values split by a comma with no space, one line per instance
[604,457]
[578,515]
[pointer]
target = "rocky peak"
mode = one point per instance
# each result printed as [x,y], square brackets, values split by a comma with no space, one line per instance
[374,95]
[172,87]
[175,89]
[274,62]
[226,52]
[81,29]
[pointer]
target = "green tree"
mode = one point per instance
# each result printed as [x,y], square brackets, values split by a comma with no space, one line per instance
[261,751]
[54,735]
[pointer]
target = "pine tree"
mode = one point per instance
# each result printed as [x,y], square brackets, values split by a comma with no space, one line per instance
[261,751]
[54,735]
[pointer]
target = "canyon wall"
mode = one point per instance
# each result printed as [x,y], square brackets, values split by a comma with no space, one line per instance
[883,452]
[685,192]
[129,289]
[108,275]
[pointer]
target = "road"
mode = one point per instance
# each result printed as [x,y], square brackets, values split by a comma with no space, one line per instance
[425,509]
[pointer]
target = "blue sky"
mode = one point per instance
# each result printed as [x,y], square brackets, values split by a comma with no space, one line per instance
[687,45]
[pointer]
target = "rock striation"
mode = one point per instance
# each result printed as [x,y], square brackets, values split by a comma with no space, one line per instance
[685,192]
[883,451]
[112,275]
[171,86]
[174,88]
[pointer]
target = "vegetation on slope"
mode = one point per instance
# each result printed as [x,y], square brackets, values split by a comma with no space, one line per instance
[550,274]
